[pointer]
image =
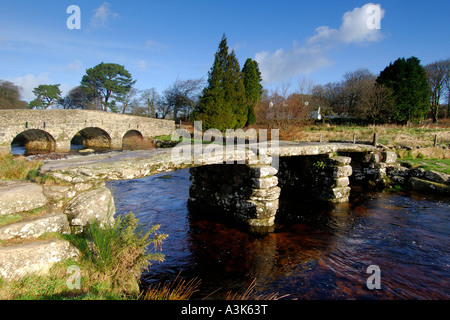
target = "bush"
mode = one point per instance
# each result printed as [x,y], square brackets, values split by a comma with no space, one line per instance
[119,252]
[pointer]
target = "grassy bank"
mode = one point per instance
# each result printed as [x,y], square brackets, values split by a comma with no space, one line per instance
[110,264]
[18,168]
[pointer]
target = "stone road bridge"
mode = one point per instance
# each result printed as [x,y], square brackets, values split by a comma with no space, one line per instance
[244,186]
[53,130]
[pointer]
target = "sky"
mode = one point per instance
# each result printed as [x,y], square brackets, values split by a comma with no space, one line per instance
[159,42]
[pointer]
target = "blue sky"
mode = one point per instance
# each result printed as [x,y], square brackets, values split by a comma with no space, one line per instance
[158,41]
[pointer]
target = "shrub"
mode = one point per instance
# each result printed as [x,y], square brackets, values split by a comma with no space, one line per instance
[119,252]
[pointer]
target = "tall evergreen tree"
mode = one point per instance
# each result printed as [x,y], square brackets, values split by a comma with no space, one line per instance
[222,103]
[408,80]
[253,87]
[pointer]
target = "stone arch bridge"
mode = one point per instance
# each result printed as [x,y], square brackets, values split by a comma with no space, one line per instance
[53,130]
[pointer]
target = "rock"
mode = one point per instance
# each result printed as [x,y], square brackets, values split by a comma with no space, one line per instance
[20,196]
[33,258]
[340,194]
[397,171]
[417,172]
[96,204]
[437,176]
[340,161]
[86,151]
[343,171]
[265,183]
[428,186]
[406,165]
[35,227]
[341,182]
[261,171]
[389,157]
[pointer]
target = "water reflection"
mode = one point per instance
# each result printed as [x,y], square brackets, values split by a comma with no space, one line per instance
[316,251]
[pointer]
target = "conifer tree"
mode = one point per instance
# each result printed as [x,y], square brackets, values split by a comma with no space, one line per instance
[253,87]
[407,78]
[222,104]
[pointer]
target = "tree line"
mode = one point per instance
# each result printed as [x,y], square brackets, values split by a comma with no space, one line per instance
[232,97]
[404,91]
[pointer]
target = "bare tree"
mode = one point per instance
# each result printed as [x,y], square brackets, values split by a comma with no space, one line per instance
[283,111]
[376,104]
[150,97]
[436,75]
[127,100]
[181,97]
[352,87]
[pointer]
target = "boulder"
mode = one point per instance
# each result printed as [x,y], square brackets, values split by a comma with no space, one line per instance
[438,177]
[96,204]
[36,226]
[20,196]
[428,186]
[33,258]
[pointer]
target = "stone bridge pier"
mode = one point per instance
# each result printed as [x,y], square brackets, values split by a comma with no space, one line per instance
[249,194]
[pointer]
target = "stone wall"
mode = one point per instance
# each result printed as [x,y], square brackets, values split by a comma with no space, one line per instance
[63,125]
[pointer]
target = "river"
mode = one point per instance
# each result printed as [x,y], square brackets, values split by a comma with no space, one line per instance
[316,252]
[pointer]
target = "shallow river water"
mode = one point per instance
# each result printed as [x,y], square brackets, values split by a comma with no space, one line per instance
[316,251]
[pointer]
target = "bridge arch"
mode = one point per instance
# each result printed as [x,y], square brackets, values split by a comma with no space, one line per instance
[132,139]
[92,137]
[34,141]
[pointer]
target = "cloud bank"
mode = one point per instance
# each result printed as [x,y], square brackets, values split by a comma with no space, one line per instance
[361,25]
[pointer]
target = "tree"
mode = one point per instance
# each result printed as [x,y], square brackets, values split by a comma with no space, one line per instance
[447,85]
[222,104]
[253,87]
[46,95]
[436,75]
[407,78]
[283,111]
[182,96]
[355,82]
[150,97]
[127,100]
[108,81]
[10,96]
[78,98]
[376,104]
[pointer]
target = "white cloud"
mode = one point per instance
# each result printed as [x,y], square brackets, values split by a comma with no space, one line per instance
[28,83]
[102,14]
[155,45]
[74,66]
[354,27]
[142,65]
[357,27]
